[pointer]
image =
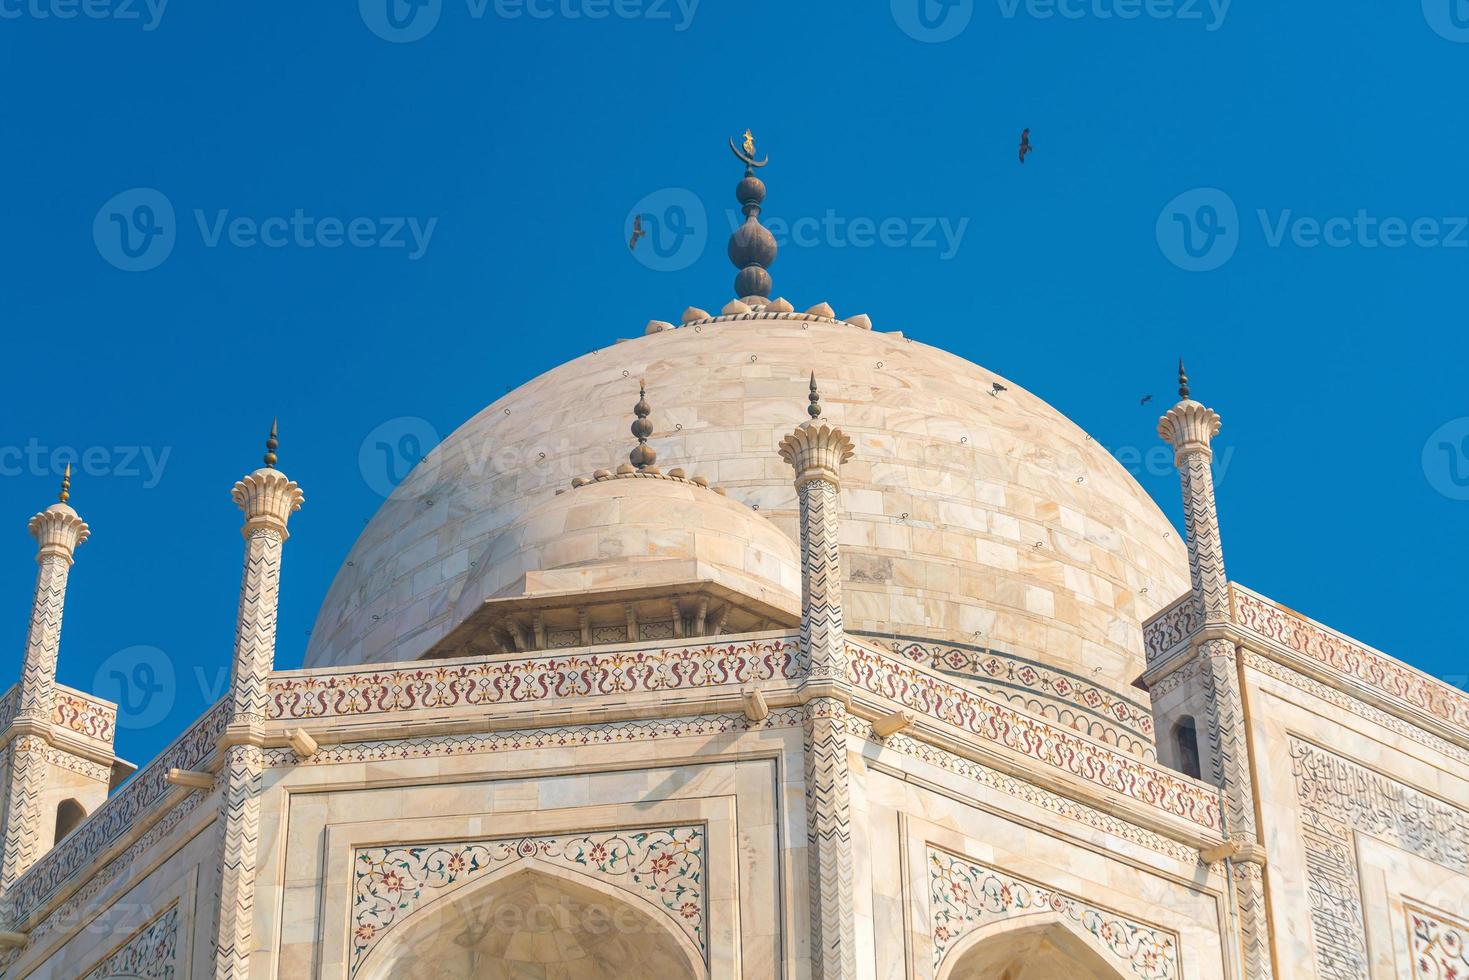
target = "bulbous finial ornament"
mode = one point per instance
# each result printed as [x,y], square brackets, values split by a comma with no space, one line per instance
[1182,381]
[65,494]
[643,455]
[271,445]
[814,409]
[752,247]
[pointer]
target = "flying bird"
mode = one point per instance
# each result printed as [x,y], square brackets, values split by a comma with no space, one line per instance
[637,232]
[1146,399]
[996,388]
[1025,146]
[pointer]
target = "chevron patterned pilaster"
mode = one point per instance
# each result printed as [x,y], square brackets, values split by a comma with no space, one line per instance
[829,855]
[268,500]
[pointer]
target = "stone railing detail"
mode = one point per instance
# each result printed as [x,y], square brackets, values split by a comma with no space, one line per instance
[1361,663]
[85,715]
[75,711]
[111,821]
[444,685]
[1170,628]
[941,699]
[1054,694]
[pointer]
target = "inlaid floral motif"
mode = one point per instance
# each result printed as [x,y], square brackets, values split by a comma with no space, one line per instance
[965,895]
[1439,945]
[150,954]
[663,865]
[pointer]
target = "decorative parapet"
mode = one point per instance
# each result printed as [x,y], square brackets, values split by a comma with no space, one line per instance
[1392,680]
[1053,694]
[76,711]
[126,811]
[479,683]
[1169,630]
[998,725]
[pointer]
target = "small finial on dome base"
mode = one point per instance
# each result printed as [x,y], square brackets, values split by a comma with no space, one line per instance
[65,494]
[1182,381]
[814,409]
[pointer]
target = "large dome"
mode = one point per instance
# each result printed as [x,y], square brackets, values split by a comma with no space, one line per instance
[987,520]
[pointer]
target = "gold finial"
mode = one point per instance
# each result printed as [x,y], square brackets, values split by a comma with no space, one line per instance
[814,409]
[270,446]
[749,142]
[65,485]
[1182,381]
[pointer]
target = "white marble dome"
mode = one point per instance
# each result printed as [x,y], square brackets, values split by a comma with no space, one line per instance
[968,518]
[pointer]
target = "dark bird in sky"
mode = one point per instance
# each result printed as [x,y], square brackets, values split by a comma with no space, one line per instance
[996,388]
[637,232]
[1025,146]
[1146,399]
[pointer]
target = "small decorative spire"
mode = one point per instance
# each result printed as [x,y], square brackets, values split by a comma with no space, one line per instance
[814,409]
[1182,381]
[752,247]
[271,444]
[643,455]
[65,485]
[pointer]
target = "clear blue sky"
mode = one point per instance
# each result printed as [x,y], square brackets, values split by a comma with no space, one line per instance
[528,141]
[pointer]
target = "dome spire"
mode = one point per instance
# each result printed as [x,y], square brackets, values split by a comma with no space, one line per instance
[1182,381]
[65,494]
[643,455]
[814,409]
[271,445]
[752,247]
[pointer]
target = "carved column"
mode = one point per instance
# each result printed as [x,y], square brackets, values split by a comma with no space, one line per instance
[58,531]
[817,451]
[1191,427]
[268,500]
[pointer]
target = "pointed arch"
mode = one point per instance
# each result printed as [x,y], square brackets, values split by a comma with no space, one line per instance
[490,911]
[1039,946]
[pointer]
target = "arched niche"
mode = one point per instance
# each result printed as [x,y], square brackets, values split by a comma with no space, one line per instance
[1044,946]
[533,921]
[69,813]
